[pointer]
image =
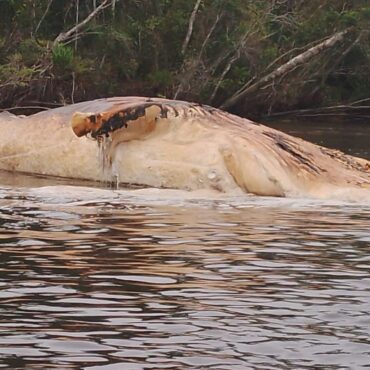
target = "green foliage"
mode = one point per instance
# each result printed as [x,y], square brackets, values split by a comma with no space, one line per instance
[350,18]
[30,51]
[138,49]
[62,57]
[161,78]
[239,74]
[365,13]
[81,65]
[15,74]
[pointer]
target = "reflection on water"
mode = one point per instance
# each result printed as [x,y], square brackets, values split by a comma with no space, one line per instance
[107,282]
[350,136]
[153,279]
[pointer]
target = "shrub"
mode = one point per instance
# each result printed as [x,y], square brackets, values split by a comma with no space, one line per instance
[62,57]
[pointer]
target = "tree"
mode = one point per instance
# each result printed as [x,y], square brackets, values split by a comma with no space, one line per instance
[254,57]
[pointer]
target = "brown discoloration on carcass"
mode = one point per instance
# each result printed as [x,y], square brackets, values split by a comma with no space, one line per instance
[174,144]
[85,123]
[259,159]
[350,162]
[105,123]
[305,159]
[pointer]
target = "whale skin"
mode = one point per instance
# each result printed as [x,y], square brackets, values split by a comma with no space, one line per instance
[164,143]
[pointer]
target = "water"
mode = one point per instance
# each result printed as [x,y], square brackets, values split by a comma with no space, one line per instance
[350,136]
[93,278]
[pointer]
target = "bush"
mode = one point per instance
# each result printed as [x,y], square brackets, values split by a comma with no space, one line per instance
[62,57]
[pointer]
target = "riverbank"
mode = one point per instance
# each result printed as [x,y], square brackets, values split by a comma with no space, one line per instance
[256,60]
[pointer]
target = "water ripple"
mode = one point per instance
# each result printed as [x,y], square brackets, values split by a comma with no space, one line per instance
[110,284]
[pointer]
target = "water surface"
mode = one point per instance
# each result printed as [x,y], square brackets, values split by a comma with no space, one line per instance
[93,278]
[350,136]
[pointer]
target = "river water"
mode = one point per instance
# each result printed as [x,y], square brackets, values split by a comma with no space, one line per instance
[93,278]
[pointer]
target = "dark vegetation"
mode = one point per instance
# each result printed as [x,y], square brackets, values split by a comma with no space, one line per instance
[255,57]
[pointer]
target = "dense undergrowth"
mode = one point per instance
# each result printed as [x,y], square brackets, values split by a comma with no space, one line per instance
[196,50]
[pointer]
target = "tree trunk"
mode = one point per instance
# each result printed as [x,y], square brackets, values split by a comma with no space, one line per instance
[190,28]
[285,68]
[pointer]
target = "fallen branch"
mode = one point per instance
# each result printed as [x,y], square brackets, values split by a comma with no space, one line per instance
[360,101]
[286,68]
[342,115]
[64,36]
[335,110]
[336,63]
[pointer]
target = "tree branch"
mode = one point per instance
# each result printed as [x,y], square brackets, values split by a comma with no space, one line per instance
[336,63]
[43,17]
[64,36]
[190,27]
[235,56]
[198,60]
[286,68]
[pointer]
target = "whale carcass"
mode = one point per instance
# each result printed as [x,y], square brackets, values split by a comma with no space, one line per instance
[174,144]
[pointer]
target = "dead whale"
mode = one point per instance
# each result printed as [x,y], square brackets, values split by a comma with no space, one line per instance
[174,144]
